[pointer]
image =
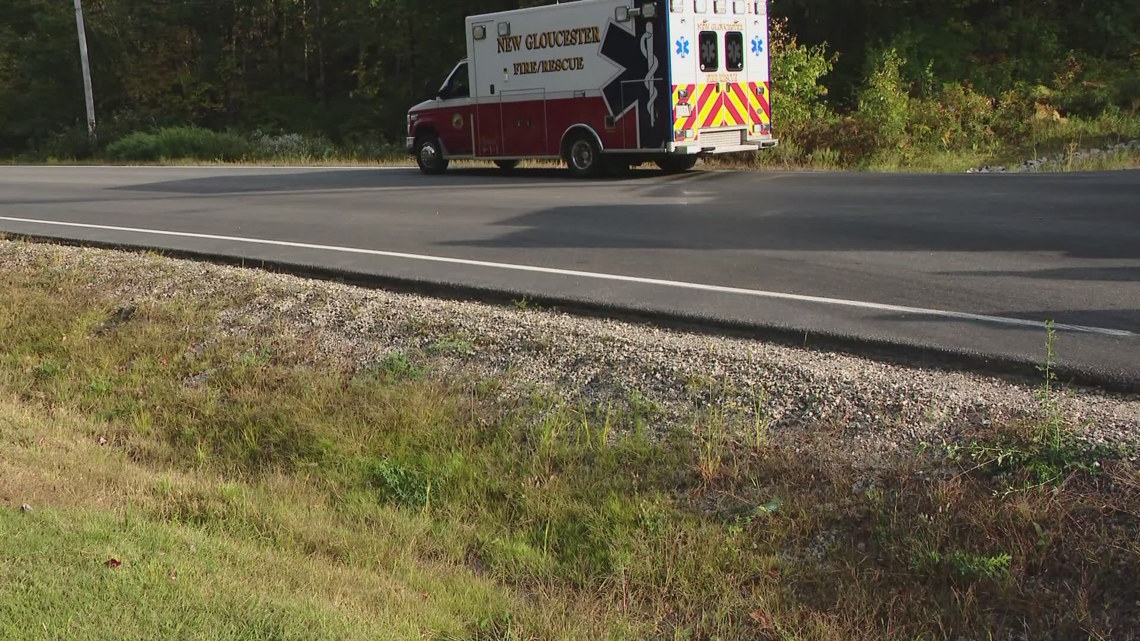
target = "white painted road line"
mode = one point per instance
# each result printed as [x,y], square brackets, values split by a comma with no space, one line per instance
[592,275]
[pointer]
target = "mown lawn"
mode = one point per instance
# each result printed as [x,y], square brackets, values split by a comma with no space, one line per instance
[247,489]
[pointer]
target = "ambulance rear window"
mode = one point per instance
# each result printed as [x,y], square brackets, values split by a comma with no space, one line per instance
[734,51]
[710,51]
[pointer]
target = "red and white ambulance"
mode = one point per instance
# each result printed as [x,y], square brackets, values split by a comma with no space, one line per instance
[603,84]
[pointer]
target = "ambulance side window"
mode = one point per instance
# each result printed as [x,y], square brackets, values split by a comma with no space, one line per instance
[458,86]
[734,51]
[710,51]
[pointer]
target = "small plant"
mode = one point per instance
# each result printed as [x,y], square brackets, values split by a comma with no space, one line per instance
[761,420]
[597,434]
[1052,425]
[526,303]
[643,410]
[101,386]
[46,370]
[712,442]
[971,567]
[457,344]
[1048,454]
[255,358]
[398,366]
[402,485]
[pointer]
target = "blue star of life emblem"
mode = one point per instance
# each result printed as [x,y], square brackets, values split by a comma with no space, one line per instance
[682,46]
[757,45]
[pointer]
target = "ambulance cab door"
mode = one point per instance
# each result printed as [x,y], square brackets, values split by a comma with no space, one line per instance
[457,112]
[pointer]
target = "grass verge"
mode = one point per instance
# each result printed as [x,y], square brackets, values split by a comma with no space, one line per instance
[1064,145]
[186,484]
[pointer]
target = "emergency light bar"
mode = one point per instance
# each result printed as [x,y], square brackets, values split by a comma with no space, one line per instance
[647,11]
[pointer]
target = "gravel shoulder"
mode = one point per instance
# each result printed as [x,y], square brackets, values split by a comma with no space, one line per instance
[863,409]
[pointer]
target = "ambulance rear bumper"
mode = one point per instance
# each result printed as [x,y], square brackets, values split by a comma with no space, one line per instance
[722,141]
[697,148]
[690,149]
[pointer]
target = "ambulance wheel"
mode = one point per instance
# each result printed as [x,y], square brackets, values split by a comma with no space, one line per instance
[506,165]
[583,156]
[429,155]
[677,164]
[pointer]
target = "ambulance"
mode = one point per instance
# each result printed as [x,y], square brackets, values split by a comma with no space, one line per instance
[603,85]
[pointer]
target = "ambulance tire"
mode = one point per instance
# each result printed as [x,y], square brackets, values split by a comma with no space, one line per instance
[583,157]
[677,164]
[429,155]
[506,165]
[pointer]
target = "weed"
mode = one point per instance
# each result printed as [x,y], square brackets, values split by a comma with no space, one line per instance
[972,567]
[1052,422]
[1048,455]
[458,343]
[761,419]
[397,366]
[405,486]
[643,411]
[713,440]
[46,370]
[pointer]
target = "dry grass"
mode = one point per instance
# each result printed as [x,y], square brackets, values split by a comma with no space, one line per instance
[253,494]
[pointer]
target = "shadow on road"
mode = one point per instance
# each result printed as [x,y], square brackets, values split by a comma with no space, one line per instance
[1112,274]
[1119,319]
[247,181]
[1083,217]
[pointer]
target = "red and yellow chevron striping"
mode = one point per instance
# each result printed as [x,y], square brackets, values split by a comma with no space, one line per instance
[721,105]
[759,97]
[684,95]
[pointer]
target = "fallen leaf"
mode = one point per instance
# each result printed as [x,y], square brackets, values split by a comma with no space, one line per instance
[761,618]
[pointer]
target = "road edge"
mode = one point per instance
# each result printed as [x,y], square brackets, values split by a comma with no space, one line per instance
[911,354]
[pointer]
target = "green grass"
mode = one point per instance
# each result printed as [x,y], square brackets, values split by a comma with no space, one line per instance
[254,491]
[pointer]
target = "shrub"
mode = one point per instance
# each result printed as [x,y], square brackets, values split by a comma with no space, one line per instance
[292,145]
[884,103]
[956,118]
[798,91]
[189,143]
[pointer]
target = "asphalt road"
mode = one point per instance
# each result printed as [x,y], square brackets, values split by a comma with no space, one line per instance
[969,265]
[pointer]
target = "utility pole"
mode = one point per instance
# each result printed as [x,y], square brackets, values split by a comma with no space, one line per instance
[86,69]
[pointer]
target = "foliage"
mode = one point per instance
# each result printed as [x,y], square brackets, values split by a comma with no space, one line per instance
[179,142]
[883,103]
[854,82]
[798,71]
